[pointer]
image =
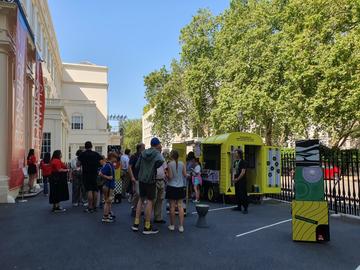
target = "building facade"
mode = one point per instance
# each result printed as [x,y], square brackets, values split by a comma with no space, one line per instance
[76,95]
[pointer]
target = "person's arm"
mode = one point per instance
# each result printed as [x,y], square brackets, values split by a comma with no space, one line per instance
[184,171]
[131,173]
[170,173]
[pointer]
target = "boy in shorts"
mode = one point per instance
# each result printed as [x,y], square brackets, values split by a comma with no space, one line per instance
[107,172]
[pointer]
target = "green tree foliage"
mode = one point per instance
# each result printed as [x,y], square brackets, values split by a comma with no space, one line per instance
[132,133]
[279,68]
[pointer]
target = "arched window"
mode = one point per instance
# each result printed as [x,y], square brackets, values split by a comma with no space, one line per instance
[77,121]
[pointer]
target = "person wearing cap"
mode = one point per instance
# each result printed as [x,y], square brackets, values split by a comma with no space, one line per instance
[240,166]
[148,163]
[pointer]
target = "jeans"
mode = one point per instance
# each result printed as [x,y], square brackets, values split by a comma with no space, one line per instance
[78,189]
[46,184]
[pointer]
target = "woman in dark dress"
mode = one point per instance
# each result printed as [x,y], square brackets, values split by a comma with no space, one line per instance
[32,169]
[58,182]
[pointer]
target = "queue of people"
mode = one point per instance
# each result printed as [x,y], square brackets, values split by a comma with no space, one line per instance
[151,179]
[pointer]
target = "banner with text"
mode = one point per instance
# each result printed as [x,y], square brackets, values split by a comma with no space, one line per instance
[39,109]
[18,113]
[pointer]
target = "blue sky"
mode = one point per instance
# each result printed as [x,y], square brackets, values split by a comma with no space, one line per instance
[131,37]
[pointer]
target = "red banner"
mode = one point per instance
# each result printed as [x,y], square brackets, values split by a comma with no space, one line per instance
[39,109]
[18,130]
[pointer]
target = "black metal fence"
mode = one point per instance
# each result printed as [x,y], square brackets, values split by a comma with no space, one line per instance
[341,170]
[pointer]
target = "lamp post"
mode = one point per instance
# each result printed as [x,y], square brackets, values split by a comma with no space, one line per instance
[240,119]
[121,119]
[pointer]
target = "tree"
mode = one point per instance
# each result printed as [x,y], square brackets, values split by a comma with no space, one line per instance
[132,133]
[197,56]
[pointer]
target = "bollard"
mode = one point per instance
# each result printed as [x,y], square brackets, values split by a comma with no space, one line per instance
[202,210]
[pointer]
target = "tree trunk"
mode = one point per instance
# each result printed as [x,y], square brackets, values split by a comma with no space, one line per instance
[268,133]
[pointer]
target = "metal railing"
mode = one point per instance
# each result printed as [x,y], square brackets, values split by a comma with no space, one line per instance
[341,169]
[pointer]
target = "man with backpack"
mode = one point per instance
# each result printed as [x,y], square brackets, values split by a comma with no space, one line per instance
[147,164]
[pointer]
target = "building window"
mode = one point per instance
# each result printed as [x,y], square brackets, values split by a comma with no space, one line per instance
[98,149]
[77,122]
[69,152]
[46,144]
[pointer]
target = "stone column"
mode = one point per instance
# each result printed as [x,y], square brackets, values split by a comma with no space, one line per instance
[4,126]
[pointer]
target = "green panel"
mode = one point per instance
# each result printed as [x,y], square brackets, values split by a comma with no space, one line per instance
[311,190]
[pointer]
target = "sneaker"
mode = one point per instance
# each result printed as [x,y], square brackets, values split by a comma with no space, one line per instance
[135,227]
[181,229]
[196,201]
[112,215]
[85,204]
[151,230]
[75,204]
[107,219]
[59,210]
[88,210]
[171,227]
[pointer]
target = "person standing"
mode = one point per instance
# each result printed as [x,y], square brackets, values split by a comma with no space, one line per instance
[90,162]
[147,165]
[32,169]
[58,182]
[176,189]
[125,178]
[240,167]
[197,180]
[160,193]
[134,174]
[78,190]
[46,172]
[107,172]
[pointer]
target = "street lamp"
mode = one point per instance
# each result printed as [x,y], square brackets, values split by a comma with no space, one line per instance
[240,119]
[121,119]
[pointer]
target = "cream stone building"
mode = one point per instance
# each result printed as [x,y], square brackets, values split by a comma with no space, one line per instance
[76,105]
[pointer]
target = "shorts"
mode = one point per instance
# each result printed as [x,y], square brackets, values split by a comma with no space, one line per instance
[32,169]
[175,193]
[147,191]
[90,182]
[110,184]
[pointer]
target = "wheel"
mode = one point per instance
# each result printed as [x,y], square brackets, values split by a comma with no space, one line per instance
[211,194]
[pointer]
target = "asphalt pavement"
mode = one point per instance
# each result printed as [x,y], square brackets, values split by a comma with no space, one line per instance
[31,237]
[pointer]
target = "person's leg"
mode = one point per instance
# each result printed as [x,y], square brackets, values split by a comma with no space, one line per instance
[76,190]
[95,198]
[148,212]
[83,190]
[181,212]
[157,204]
[31,181]
[107,201]
[90,199]
[238,195]
[46,187]
[172,212]
[243,195]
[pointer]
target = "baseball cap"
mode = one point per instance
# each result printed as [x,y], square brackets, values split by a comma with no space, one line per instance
[155,141]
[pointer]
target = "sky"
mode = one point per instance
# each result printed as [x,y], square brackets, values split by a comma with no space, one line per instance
[131,37]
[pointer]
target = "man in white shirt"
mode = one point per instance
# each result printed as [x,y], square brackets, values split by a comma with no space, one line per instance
[160,193]
[125,177]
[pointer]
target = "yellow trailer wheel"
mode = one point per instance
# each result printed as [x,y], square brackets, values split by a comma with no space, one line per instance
[210,194]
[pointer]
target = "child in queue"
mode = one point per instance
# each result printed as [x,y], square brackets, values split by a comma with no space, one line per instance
[107,172]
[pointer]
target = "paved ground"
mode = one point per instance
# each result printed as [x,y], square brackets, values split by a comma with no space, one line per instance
[33,238]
